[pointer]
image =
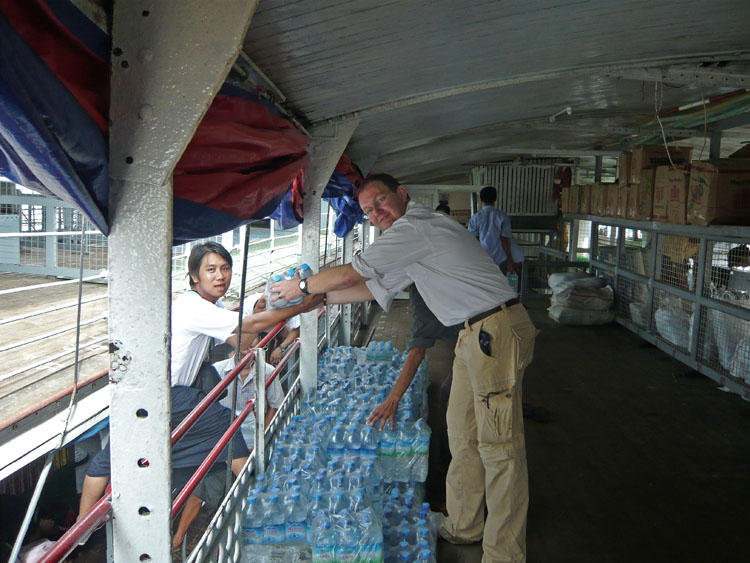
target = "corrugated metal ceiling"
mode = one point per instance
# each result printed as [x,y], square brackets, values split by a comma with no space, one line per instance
[442,85]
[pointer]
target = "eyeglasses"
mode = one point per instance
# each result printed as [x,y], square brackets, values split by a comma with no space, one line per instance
[377,204]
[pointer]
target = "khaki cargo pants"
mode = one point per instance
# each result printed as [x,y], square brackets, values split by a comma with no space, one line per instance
[485,433]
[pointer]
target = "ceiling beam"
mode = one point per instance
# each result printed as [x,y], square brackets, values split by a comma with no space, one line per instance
[686,74]
[607,129]
[572,153]
[653,70]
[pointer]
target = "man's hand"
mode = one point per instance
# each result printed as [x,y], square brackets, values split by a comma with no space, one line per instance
[276,355]
[511,266]
[287,289]
[384,412]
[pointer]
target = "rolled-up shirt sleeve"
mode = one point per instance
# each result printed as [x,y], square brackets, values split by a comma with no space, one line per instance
[385,261]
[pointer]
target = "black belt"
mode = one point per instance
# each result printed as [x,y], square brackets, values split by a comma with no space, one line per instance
[482,316]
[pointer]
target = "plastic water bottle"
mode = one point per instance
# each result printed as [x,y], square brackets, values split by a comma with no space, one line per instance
[269,295]
[336,444]
[371,539]
[252,523]
[402,458]
[324,540]
[369,443]
[305,272]
[387,452]
[274,525]
[513,281]
[296,519]
[352,442]
[420,451]
[347,542]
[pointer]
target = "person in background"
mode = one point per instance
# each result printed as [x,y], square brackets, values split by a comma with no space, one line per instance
[289,333]
[492,227]
[739,257]
[443,208]
[462,286]
[198,317]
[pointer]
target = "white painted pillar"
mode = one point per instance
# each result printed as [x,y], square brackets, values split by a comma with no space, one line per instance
[325,151]
[168,61]
[345,322]
[50,242]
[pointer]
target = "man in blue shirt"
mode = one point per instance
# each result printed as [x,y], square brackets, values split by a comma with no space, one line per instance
[492,227]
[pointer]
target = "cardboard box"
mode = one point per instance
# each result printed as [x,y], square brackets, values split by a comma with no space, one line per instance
[598,199]
[671,185]
[624,168]
[612,193]
[584,199]
[641,197]
[719,192]
[622,201]
[564,199]
[651,156]
[575,192]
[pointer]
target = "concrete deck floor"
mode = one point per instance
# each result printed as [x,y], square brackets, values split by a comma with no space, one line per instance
[632,456]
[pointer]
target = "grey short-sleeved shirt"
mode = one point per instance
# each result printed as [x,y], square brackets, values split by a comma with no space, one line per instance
[425,328]
[451,270]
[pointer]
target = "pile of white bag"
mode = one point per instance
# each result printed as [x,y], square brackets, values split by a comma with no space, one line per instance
[579,299]
[732,336]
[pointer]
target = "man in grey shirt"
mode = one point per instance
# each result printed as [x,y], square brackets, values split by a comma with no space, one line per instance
[461,285]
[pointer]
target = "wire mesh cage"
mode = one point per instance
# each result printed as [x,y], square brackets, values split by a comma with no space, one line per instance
[724,343]
[606,243]
[632,301]
[727,270]
[678,257]
[673,319]
[636,252]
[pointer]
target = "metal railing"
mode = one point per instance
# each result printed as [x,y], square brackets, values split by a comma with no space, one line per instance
[675,288]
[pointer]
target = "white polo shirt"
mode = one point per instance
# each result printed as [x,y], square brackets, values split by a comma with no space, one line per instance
[246,390]
[455,276]
[195,321]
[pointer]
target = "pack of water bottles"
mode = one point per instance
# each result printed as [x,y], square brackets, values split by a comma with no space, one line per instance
[304,272]
[337,489]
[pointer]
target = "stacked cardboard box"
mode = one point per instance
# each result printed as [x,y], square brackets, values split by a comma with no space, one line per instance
[613,191]
[719,192]
[622,201]
[573,198]
[565,199]
[598,199]
[624,168]
[670,194]
[651,156]
[641,196]
[584,199]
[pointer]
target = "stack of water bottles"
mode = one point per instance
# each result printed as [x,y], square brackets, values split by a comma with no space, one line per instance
[337,489]
[304,272]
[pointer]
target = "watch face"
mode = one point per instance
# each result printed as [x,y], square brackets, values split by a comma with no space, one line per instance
[303,286]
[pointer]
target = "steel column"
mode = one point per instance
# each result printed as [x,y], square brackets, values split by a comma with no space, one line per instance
[163,78]
[325,150]
[50,242]
[345,323]
[714,150]
[260,411]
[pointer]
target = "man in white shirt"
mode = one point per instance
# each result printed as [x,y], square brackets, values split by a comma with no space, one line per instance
[461,285]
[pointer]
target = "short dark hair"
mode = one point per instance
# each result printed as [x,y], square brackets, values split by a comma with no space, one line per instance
[199,251]
[737,254]
[386,179]
[444,208]
[488,194]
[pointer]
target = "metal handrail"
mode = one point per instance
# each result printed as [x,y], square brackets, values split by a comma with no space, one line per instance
[201,407]
[200,473]
[84,527]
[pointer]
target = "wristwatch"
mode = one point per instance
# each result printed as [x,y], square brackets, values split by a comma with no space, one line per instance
[303,287]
